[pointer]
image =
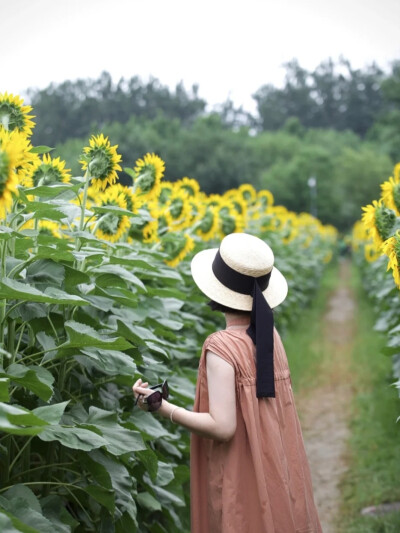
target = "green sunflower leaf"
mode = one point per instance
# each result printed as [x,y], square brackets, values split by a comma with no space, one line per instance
[119,440]
[19,421]
[51,413]
[76,438]
[41,149]
[34,378]
[114,209]
[7,525]
[51,191]
[15,290]
[103,496]
[110,473]
[147,500]
[111,362]
[118,270]
[81,335]
[4,386]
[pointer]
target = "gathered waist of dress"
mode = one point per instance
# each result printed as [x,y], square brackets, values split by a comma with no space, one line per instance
[278,375]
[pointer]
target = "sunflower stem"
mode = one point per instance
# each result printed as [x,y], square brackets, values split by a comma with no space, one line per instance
[84,200]
[82,219]
[100,220]
[3,302]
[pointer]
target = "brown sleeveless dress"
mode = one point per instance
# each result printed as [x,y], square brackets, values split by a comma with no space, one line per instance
[259,481]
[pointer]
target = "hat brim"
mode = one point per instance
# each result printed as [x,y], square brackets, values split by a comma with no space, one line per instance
[204,277]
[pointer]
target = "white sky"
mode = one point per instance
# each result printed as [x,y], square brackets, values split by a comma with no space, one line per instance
[230,48]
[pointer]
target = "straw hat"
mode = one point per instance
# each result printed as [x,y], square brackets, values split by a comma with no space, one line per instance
[248,255]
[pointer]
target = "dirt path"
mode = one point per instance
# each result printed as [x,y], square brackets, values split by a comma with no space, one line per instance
[324,411]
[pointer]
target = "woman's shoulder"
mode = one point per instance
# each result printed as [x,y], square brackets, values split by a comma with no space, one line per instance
[215,337]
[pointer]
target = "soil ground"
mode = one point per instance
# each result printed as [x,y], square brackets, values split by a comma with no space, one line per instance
[324,411]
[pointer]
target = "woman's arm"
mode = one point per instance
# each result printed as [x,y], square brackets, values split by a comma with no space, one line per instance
[220,422]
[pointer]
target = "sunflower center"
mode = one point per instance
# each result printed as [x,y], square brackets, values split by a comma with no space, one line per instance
[174,246]
[384,220]
[228,224]
[4,171]
[237,207]
[46,174]
[164,195]
[176,208]
[188,189]
[100,163]
[396,195]
[110,224]
[147,178]
[207,222]
[397,247]
[11,117]
[129,202]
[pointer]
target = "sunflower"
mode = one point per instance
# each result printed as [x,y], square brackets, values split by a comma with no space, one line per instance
[14,115]
[371,252]
[275,219]
[149,172]
[207,226]
[50,227]
[101,160]
[177,246]
[290,228]
[112,226]
[360,235]
[131,200]
[391,193]
[379,220]
[237,202]
[229,223]
[189,185]
[13,155]
[248,193]
[214,200]
[265,199]
[177,210]
[391,247]
[166,188]
[150,232]
[229,220]
[327,257]
[46,172]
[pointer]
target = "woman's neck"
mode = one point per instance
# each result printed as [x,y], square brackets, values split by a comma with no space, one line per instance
[237,319]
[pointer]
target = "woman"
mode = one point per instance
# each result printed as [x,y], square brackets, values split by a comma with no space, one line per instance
[249,470]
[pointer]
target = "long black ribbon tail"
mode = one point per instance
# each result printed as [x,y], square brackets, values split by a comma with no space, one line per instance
[261,331]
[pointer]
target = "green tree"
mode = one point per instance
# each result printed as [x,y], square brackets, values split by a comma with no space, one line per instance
[74,109]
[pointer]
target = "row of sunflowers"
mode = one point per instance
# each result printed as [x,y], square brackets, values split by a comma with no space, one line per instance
[376,245]
[95,290]
[161,207]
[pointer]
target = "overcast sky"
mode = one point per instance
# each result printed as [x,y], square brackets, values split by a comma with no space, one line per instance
[230,48]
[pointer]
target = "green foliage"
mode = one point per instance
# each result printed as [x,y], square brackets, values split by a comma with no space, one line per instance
[333,96]
[316,119]
[381,289]
[80,320]
[219,158]
[75,109]
[345,169]
[374,458]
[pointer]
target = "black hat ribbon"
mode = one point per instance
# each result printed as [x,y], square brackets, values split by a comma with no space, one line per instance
[261,329]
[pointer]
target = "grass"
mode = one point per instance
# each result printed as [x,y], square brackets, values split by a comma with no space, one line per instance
[304,343]
[373,476]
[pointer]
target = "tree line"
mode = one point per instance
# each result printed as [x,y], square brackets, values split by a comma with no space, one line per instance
[337,124]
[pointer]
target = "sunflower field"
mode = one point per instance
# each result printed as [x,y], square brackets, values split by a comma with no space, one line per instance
[95,291]
[376,245]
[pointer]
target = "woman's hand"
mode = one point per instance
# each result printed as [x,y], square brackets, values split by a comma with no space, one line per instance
[141,391]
